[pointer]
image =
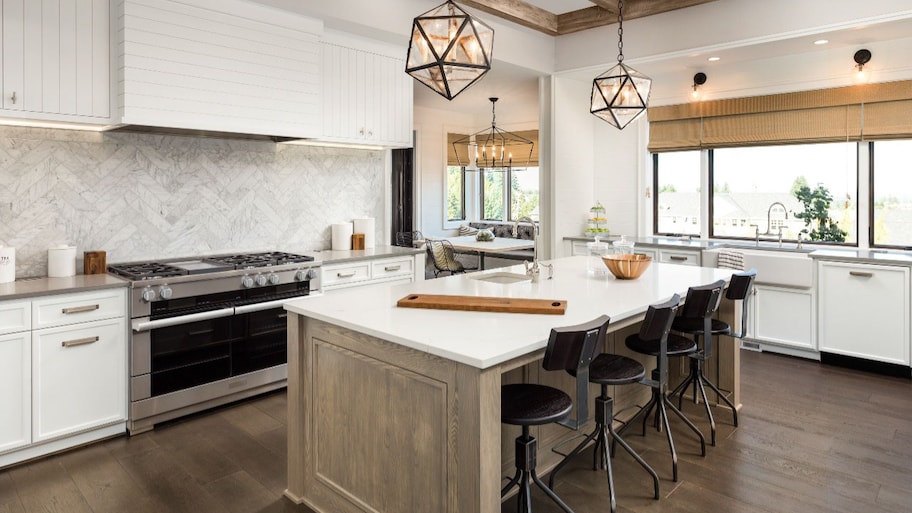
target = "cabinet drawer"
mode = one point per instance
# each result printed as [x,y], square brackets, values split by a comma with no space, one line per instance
[336,275]
[79,375]
[73,308]
[392,268]
[15,316]
[679,257]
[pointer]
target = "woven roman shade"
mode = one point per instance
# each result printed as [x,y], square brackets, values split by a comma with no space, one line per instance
[853,113]
[519,161]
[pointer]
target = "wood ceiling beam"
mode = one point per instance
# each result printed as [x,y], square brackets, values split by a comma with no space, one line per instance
[518,12]
[604,12]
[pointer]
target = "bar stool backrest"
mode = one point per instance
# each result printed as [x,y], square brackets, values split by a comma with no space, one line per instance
[702,301]
[657,322]
[739,289]
[572,348]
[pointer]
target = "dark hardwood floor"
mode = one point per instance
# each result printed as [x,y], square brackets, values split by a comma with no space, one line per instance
[812,439]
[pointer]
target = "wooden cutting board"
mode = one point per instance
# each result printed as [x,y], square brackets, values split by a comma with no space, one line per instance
[484,304]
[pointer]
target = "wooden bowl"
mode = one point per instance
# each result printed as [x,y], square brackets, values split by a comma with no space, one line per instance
[627,266]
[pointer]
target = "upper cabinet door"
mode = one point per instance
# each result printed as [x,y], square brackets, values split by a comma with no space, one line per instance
[367,94]
[219,65]
[56,60]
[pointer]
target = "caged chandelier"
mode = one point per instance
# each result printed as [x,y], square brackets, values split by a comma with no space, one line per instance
[449,50]
[493,148]
[620,94]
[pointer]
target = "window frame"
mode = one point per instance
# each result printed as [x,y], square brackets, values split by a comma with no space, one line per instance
[871,218]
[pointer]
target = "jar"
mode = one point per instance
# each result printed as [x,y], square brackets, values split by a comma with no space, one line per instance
[594,252]
[623,246]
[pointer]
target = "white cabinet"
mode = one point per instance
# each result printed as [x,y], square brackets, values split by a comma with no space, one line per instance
[679,256]
[79,378]
[15,390]
[56,60]
[783,316]
[401,269]
[63,372]
[864,311]
[219,65]
[367,96]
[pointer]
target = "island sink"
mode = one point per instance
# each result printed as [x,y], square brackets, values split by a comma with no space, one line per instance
[504,278]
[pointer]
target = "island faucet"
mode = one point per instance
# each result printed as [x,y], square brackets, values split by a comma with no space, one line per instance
[769,227]
[534,269]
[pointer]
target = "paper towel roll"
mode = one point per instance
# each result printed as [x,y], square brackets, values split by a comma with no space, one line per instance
[342,236]
[7,264]
[366,225]
[61,261]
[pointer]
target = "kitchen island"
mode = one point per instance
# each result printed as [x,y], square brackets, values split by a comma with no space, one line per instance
[398,409]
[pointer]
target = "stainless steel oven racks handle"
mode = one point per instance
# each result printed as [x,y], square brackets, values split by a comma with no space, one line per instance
[142,324]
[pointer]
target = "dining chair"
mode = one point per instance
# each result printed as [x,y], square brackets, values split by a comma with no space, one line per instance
[442,254]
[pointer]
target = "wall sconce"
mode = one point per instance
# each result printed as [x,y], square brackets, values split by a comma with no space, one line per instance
[861,58]
[699,79]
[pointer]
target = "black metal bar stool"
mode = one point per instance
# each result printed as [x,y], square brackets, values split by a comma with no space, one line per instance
[697,322]
[528,404]
[656,340]
[605,370]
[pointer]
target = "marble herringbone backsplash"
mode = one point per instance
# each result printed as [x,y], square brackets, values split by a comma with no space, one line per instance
[144,196]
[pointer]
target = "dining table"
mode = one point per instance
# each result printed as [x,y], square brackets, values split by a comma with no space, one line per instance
[497,245]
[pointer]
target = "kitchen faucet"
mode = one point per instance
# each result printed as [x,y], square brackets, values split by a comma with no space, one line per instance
[769,228]
[535,268]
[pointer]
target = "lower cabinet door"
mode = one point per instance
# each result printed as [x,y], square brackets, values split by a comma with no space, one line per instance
[79,378]
[15,390]
[784,316]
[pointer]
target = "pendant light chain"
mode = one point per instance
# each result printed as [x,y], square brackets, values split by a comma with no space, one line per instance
[620,30]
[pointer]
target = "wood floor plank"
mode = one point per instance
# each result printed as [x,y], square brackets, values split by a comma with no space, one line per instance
[165,482]
[240,493]
[250,419]
[104,483]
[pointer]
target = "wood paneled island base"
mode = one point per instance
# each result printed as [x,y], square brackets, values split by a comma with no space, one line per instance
[376,425]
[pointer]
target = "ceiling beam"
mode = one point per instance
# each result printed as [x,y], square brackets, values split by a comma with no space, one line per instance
[518,12]
[604,12]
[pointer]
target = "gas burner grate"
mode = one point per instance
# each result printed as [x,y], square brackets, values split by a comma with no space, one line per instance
[248,260]
[146,270]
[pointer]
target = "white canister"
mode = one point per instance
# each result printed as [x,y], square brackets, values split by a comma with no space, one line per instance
[61,261]
[342,236]
[367,226]
[7,264]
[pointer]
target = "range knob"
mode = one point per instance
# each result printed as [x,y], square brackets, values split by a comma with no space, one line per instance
[247,281]
[273,279]
[307,274]
[148,295]
[165,292]
[260,280]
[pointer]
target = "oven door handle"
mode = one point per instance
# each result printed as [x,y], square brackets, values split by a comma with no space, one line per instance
[141,325]
[265,305]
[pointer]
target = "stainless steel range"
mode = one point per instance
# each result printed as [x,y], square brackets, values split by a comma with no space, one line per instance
[207,331]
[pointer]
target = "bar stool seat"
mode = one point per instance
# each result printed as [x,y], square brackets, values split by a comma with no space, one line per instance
[677,345]
[528,404]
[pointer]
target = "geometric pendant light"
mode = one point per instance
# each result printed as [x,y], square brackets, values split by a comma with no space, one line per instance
[449,50]
[620,95]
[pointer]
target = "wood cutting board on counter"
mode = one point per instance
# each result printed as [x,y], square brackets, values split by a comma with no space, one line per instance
[484,304]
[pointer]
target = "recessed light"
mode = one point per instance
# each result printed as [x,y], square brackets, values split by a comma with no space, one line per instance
[713,59]
[821,41]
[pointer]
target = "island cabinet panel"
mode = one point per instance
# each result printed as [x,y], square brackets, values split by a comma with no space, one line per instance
[218,65]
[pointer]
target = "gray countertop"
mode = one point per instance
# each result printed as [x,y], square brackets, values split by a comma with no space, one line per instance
[328,256]
[32,287]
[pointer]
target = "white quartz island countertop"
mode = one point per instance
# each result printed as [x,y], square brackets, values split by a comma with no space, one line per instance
[485,339]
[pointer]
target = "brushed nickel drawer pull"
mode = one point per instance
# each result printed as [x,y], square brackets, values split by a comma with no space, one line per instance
[861,274]
[675,257]
[391,268]
[80,309]
[346,275]
[79,342]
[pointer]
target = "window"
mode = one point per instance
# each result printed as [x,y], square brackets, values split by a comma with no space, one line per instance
[777,187]
[677,186]
[492,194]
[455,193]
[891,208]
[524,193]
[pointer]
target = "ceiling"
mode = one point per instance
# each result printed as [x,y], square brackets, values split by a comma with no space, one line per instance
[558,17]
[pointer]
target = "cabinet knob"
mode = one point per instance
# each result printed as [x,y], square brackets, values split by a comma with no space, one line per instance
[13,98]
